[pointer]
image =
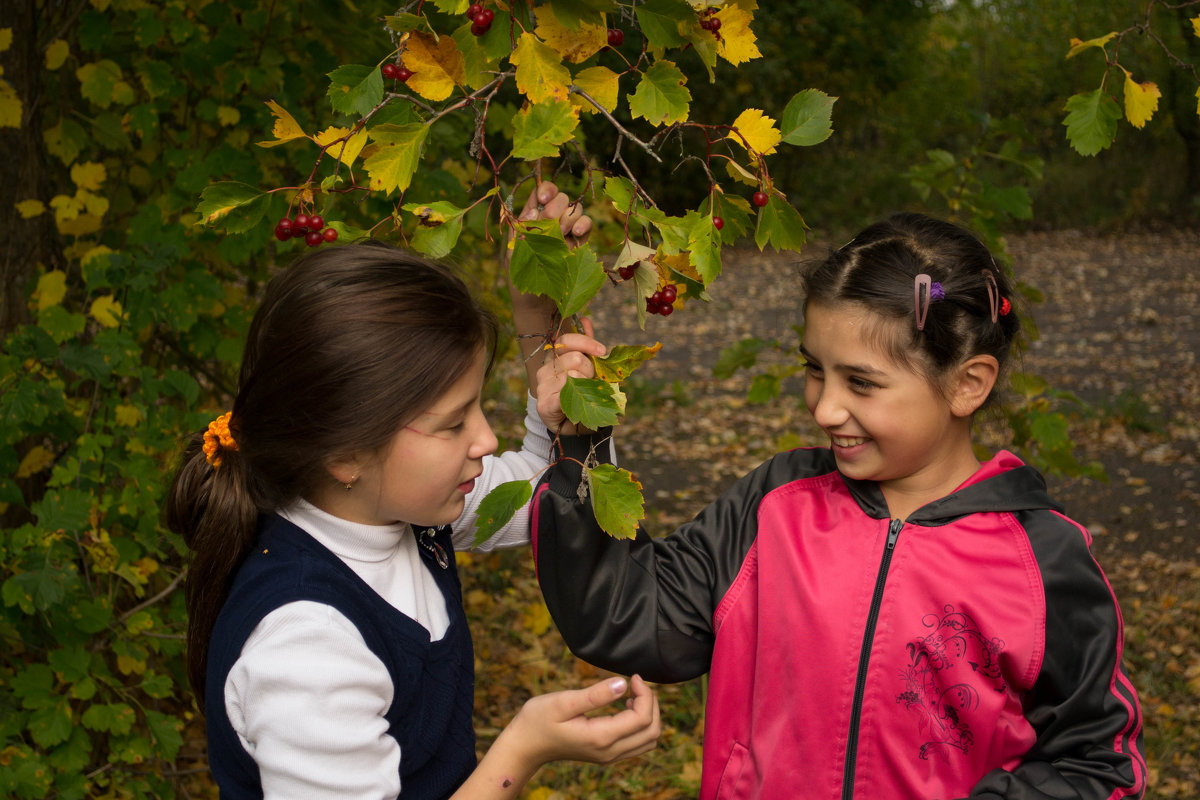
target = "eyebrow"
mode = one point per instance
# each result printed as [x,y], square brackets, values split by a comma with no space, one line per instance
[452,412]
[857,368]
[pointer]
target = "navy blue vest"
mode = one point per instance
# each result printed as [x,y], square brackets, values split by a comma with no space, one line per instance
[430,715]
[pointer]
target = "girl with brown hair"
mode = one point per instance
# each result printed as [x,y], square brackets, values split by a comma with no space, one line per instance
[327,637]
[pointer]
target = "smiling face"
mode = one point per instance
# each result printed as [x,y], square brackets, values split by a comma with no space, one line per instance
[886,422]
[425,472]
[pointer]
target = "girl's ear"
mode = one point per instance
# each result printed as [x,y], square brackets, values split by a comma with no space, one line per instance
[975,378]
[344,469]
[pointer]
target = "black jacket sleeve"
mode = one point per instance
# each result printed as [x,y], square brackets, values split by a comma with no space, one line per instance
[1083,706]
[642,605]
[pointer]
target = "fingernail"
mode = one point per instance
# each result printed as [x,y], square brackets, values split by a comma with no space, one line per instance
[617,685]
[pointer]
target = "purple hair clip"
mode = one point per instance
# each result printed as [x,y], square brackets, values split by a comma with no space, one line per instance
[933,292]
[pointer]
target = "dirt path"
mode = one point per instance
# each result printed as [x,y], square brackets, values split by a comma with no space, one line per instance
[1119,329]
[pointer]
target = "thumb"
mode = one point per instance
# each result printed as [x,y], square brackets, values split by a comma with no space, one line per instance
[597,696]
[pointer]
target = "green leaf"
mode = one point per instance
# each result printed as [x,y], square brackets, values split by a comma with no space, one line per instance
[780,225]
[584,276]
[166,732]
[764,388]
[116,718]
[438,227]
[392,166]
[498,507]
[660,21]
[622,360]
[355,89]
[808,118]
[539,259]
[65,510]
[572,12]
[1091,122]
[238,206]
[540,128]
[51,725]
[742,355]
[617,500]
[61,324]
[33,686]
[592,403]
[704,248]
[661,97]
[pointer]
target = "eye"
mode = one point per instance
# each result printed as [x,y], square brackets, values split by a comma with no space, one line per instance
[862,385]
[811,367]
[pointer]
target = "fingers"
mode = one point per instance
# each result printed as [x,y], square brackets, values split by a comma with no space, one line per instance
[547,202]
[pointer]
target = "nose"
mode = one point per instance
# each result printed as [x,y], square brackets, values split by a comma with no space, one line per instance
[826,406]
[484,441]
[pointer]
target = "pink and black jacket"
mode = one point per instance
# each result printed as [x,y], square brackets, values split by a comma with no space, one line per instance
[971,650]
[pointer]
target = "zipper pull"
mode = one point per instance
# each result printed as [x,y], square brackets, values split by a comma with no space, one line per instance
[439,553]
[894,533]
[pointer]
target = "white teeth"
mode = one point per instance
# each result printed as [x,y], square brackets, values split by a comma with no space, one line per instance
[844,442]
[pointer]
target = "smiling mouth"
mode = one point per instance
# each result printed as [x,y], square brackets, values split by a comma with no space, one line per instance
[847,441]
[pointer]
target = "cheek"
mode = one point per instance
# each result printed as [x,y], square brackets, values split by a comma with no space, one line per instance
[812,394]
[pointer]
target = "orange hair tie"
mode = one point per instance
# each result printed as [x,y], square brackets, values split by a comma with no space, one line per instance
[218,438]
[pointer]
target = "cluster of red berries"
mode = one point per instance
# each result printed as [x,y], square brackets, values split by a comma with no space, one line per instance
[481,18]
[661,302]
[616,37]
[396,72]
[307,228]
[709,22]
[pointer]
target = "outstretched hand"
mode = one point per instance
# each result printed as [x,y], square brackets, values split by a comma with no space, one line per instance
[557,726]
[569,357]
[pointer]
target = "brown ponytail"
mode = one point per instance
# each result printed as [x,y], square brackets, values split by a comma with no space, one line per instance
[349,344]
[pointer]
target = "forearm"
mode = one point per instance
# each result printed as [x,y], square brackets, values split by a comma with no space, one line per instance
[502,773]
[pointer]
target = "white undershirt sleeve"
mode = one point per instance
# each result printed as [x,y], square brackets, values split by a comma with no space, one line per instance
[307,697]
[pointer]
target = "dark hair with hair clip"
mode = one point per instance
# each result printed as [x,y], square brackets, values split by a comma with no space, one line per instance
[349,344]
[879,269]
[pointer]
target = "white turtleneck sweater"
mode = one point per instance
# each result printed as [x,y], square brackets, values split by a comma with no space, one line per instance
[306,696]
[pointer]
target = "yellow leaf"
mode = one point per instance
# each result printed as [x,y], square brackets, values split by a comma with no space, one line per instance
[286,128]
[540,793]
[1141,101]
[81,225]
[1196,26]
[601,84]
[30,208]
[94,204]
[437,66]
[88,175]
[755,131]
[34,462]
[57,53]
[228,116]
[5,39]
[1078,46]
[10,106]
[100,5]
[106,311]
[537,619]
[540,72]
[129,665]
[737,40]
[129,416]
[51,289]
[65,207]
[1198,101]
[345,153]
[574,46]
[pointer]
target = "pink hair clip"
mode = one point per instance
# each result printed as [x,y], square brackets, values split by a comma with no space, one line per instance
[933,293]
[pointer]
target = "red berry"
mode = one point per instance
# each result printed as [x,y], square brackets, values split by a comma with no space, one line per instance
[313,238]
[704,23]
[403,74]
[669,293]
[626,272]
[714,24]
[485,17]
[666,310]
[284,223]
[316,222]
[282,233]
[718,223]
[301,221]
[389,71]
[329,235]
[616,37]
[474,10]
[760,199]
[479,30]
[652,307]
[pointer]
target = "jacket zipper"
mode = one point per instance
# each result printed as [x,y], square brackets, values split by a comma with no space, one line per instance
[864,658]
